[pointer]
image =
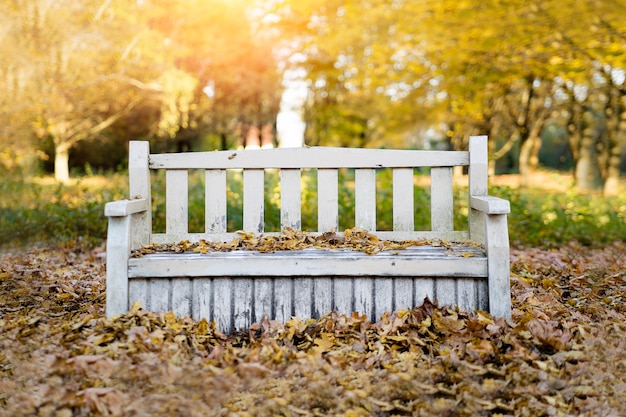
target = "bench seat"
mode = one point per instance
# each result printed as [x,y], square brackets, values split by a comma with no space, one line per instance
[238,288]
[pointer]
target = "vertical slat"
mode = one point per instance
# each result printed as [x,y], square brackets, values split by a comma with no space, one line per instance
[176,201]
[263,290]
[383,288]
[364,297]
[215,201]
[242,303]
[181,296]
[159,298]
[202,299]
[466,289]
[222,303]
[478,172]
[445,291]
[283,299]
[403,294]
[139,186]
[290,206]
[483,295]
[441,199]
[403,206]
[342,295]
[322,296]
[327,200]
[302,297]
[253,204]
[365,199]
[424,287]
[137,291]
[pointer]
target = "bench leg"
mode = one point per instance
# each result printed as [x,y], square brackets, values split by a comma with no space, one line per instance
[118,250]
[497,245]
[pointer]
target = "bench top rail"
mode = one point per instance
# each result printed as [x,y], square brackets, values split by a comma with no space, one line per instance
[313,157]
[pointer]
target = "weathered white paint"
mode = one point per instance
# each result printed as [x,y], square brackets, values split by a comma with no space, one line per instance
[176,202]
[139,187]
[490,205]
[290,196]
[118,248]
[253,200]
[441,216]
[303,158]
[238,288]
[122,208]
[365,199]
[215,201]
[477,184]
[313,262]
[244,301]
[327,200]
[499,268]
[403,204]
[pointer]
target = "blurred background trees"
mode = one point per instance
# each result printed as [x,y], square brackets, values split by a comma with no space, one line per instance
[544,79]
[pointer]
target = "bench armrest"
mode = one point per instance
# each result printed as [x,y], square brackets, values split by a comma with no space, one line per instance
[121,208]
[490,205]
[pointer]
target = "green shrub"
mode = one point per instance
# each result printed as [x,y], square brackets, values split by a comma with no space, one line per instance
[42,211]
[46,212]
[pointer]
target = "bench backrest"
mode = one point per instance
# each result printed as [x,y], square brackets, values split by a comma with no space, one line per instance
[290,162]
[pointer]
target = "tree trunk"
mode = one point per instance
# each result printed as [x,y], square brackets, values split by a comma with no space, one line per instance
[525,167]
[62,162]
[588,176]
[615,112]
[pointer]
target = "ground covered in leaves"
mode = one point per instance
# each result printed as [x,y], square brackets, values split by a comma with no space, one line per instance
[564,352]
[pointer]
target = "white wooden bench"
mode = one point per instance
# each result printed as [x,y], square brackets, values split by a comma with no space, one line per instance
[237,288]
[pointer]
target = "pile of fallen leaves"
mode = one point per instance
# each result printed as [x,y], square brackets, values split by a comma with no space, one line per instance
[289,239]
[564,352]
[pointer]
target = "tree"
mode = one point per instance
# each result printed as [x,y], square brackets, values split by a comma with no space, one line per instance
[75,60]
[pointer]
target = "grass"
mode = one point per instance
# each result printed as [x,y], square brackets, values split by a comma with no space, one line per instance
[40,211]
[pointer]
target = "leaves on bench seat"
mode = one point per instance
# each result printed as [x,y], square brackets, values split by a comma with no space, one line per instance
[351,239]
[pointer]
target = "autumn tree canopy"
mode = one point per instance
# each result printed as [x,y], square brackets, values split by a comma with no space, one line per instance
[379,73]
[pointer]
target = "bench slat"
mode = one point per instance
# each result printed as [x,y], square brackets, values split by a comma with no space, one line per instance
[423,288]
[223,302]
[243,290]
[363,296]
[215,204]
[181,296]
[263,297]
[322,303]
[327,200]
[303,158]
[313,262]
[383,296]
[290,194]
[365,199]
[302,297]
[441,199]
[253,200]
[176,202]
[283,299]
[202,298]
[403,205]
